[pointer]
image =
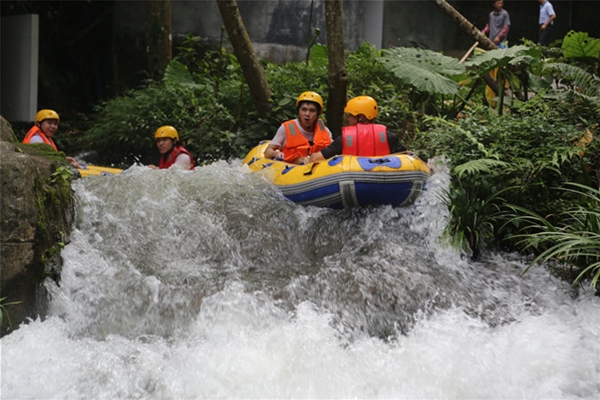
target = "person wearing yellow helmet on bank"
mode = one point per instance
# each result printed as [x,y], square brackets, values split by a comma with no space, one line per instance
[363,137]
[297,138]
[171,153]
[44,128]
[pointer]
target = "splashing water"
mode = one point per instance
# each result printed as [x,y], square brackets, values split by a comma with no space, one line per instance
[208,284]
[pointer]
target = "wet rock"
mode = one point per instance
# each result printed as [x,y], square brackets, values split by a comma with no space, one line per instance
[36,213]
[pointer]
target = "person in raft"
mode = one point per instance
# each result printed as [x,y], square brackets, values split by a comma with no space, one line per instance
[171,154]
[363,137]
[297,139]
[44,128]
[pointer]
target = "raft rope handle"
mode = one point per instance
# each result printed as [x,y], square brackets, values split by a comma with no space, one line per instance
[310,170]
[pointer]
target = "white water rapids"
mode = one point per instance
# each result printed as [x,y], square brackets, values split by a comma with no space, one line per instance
[208,284]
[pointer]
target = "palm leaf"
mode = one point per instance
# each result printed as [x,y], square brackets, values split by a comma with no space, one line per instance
[587,85]
[484,165]
[425,70]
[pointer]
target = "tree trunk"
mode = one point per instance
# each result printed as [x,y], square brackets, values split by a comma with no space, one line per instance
[338,76]
[158,37]
[466,25]
[251,68]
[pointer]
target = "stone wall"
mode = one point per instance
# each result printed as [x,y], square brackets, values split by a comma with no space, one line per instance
[36,214]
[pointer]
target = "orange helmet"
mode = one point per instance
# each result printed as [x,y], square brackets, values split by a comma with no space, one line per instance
[166,131]
[310,96]
[365,105]
[46,114]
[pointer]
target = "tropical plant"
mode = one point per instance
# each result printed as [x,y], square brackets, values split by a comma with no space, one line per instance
[537,146]
[507,66]
[571,237]
[580,47]
[430,74]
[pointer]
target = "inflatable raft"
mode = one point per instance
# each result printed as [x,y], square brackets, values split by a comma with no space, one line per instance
[94,170]
[345,181]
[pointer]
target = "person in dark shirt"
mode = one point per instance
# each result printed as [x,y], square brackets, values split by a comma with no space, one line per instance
[363,137]
[498,25]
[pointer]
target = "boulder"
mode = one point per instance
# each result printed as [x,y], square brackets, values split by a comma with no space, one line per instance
[36,215]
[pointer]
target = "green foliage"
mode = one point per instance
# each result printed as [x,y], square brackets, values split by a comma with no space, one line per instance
[4,311]
[490,60]
[425,70]
[572,237]
[580,45]
[523,154]
[475,210]
[575,82]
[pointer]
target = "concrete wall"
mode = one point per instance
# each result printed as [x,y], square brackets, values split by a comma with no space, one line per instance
[19,73]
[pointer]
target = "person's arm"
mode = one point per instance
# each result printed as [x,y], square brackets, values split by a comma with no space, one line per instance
[502,34]
[333,149]
[74,162]
[36,139]
[486,29]
[183,161]
[550,19]
[273,150]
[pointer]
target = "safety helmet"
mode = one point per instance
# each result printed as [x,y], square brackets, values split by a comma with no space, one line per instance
[310,96]
[46,114]
[166,131]
[365,105]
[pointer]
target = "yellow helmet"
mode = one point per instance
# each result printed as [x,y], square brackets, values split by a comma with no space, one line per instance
[166,131]
[46,114]
[365,105]
[310,96]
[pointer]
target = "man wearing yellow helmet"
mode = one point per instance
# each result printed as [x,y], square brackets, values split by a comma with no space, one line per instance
[363,137]
[44,128]
[296,139]
[171,153]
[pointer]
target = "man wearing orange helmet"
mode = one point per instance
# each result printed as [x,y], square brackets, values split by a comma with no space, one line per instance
[171,153]
[44,128]
[298,138]
[363,137]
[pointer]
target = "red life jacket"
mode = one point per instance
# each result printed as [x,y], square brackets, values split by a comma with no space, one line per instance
[296,145]
[365,140]
[36,130]
[169,159]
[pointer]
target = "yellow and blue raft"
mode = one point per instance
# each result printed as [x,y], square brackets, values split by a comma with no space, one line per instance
[94,170]
[345,181]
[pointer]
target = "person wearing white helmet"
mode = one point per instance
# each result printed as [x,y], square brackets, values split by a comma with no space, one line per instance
[297,138]
[44,128]
[171,154]
[363,137]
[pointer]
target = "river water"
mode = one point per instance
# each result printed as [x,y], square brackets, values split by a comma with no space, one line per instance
[209,284]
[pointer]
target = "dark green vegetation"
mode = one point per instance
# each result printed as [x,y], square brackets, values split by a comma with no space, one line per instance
[512,155]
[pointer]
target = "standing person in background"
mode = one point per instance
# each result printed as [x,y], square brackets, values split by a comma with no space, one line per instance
[298,138]
[498,25]
[44,128]
[546,20]
[171,153]
[363,137]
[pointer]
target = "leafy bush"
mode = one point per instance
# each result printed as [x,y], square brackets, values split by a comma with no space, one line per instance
[521,155]
[573,236]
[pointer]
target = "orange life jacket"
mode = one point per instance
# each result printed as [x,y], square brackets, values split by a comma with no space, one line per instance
[169,159]
[35,130]
[296,145]
[365,140]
